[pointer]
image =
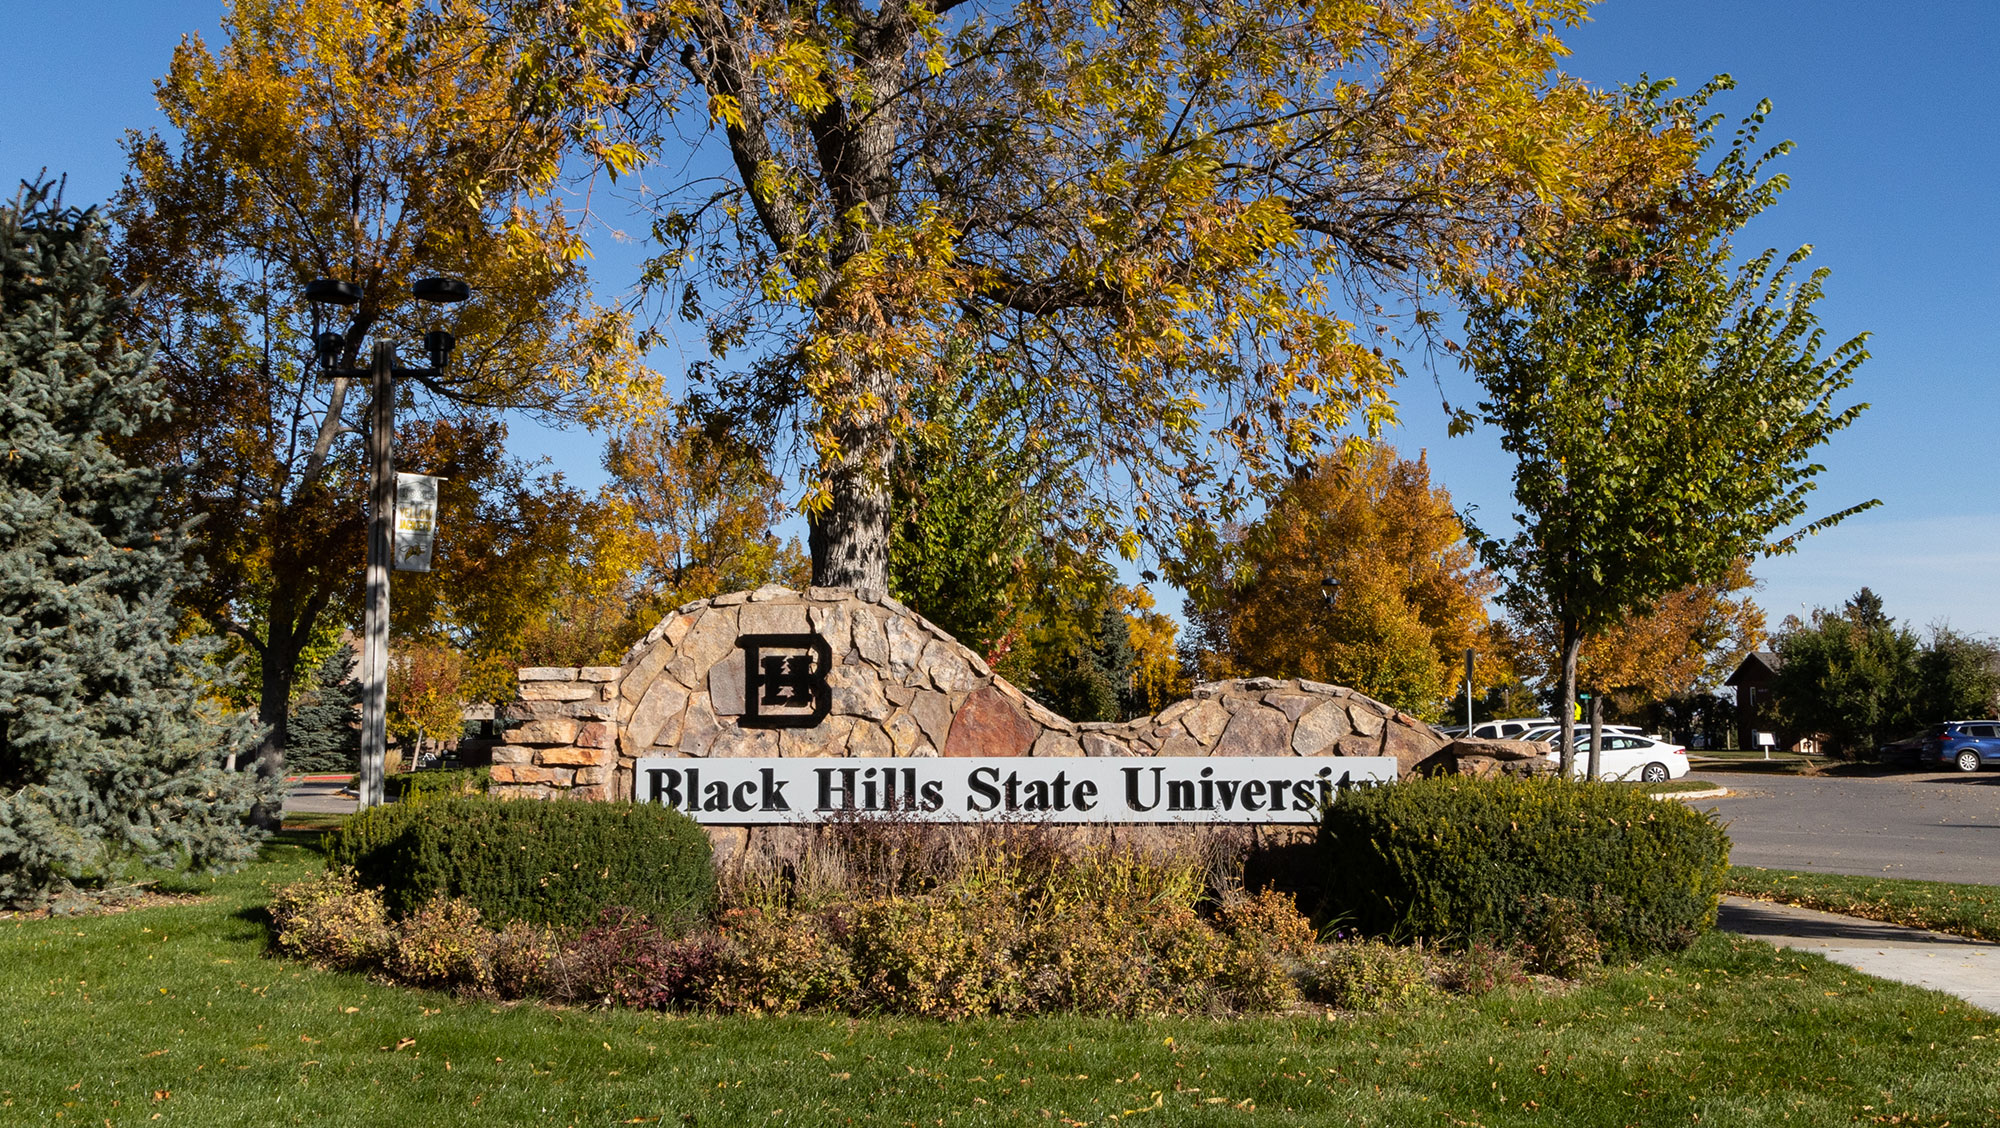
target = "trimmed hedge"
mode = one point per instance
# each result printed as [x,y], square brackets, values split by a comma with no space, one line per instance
[557,862]
[1458,859]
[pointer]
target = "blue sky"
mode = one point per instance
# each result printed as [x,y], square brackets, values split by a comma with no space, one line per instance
[1893,184]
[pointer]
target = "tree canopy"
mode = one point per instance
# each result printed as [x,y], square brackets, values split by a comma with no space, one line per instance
[1663,404]
[1176,229]
[373,142]
[1406,599]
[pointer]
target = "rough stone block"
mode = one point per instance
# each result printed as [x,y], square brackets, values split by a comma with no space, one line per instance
[661,707]
[569,757]
[1366,721]
[1260,731]
[545,673]
[933,713]
[733,741]
[1056,744]
[857,692]
[546,730]
[828,738]
[1101,744]
[988,724]
[555,691]
[597,673]
[904,733]
[730,599]
[594,735]
[906,647]
[945,665]
[898,695]
[1292,705]
[829,594]
[726,685]
[639,676]
[530,773]
[831,622]
[1320,728]
[1174,712]
[1409,745]
[869,740]
[699,727]
[512,754]
[774,618]
[1206,720]
[1183,746]
[1354,744]
[871,640]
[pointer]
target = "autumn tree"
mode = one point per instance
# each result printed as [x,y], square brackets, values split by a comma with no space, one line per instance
[1661,402]
[1407,596]
[507,537]
[427,695]
[700,503]
[1161,221]
[1686,645]
[373,141]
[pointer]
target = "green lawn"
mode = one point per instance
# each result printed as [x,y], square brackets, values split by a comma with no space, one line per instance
[176,1015]
[1964,910]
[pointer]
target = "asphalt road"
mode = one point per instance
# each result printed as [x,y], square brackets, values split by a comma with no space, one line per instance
[1927,826]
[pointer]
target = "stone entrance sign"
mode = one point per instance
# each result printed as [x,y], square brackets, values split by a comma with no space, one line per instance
[1068,789]
[830,672]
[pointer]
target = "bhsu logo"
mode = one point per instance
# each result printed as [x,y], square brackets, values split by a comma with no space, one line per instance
[787,689]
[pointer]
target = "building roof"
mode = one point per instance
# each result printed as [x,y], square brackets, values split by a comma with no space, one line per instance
[1756,670]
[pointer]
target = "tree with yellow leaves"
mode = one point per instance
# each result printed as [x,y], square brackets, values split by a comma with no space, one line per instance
[373,141]
[1359,574]
[1174,228]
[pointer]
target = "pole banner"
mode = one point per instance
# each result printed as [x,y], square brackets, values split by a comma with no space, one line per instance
[754,791]
[416,521]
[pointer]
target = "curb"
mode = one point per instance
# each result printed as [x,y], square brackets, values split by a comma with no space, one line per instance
[1711,793]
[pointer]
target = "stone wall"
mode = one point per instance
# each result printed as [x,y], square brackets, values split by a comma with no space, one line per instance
[899,686]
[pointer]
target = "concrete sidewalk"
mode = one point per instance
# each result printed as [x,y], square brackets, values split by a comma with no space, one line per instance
[1969,969]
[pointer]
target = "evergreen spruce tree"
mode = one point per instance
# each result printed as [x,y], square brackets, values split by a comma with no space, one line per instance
[110,751]
[323,735]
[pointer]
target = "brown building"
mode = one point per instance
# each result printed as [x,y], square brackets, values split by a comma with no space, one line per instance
[1752,682]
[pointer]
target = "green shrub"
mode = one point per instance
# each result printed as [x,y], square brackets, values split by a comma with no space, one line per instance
[939,956]
[431,786]
[1365,975]
[558,863]
[1455,859]
[442,944]
[331,921]
[776,963]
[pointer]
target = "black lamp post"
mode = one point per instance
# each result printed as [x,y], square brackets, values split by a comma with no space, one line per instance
[327,346]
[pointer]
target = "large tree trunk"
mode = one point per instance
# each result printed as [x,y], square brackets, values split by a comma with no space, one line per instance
[1572,646]
[274,702]
[850,541]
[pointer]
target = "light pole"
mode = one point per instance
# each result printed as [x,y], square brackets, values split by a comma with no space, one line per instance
[381,374]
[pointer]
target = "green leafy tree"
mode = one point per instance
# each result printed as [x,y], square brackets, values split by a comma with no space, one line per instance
[1855,678]
[325,728]
[110,748]
[1662,406]
[966,486]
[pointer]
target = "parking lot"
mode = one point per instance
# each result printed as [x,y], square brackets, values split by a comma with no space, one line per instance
[1932,826]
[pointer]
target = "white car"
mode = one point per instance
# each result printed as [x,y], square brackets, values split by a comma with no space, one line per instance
[1548,732]
[1626,756]
[1509,729]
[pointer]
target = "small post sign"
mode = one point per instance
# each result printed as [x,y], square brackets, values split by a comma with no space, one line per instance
[416,521]
[753,791]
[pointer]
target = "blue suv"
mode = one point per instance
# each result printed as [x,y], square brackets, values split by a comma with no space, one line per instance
[1964,745]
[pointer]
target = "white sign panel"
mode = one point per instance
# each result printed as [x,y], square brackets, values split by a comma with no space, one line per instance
[1109,789]
[416,522]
